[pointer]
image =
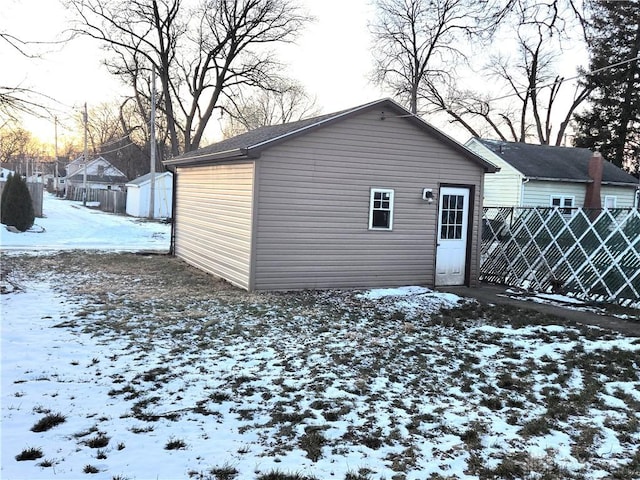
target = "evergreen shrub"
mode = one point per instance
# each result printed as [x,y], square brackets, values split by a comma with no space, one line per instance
[17,206]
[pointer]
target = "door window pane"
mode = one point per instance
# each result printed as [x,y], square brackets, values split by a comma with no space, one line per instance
[451,217]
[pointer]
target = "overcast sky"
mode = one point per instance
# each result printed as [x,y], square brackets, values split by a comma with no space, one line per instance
[332,59]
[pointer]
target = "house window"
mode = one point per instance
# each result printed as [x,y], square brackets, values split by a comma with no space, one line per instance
[610,201]
[101,170]
[381,209]
[565,204]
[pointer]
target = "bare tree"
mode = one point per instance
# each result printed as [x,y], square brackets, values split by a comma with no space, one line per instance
[530,99]
[14,140]
[422,45]
[198,53]
[19,150]
[287,102]
[19,99]
[418,43]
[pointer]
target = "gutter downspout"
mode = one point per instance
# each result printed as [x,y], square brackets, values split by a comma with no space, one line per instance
[524,182]
[172,244]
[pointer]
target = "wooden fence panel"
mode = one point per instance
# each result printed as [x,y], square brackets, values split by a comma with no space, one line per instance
[592,254]
[113,201]
[36,191]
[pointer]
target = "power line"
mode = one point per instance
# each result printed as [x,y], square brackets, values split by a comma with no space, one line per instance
[116,149]
[586,74]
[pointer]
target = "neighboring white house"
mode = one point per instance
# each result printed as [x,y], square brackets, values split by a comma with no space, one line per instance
[4,174]
[100,175]
[139,195]
[547,176]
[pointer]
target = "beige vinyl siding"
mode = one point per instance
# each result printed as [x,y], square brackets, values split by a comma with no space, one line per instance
[313,206]
[214,219]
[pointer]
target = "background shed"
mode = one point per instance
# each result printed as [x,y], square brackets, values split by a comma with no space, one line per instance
[139,195]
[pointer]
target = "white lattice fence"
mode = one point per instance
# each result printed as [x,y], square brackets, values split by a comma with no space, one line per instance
[591,254]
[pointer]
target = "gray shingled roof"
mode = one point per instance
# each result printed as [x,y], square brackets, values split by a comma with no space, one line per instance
[259,135]
[558,163]
[249,145]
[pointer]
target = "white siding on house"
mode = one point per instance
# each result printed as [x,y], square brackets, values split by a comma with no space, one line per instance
[503,188]
[214,219]
[313,206]
[539,193]
[625,196]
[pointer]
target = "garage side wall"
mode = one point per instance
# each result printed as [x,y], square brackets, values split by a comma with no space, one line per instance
[313,206]
[214,219]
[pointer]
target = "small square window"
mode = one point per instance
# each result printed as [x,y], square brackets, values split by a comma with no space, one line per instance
[563,203]
[610,201]
[381,209]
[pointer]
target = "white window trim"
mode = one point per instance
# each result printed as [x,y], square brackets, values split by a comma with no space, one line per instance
[611,197]
[562,203]
[391,193]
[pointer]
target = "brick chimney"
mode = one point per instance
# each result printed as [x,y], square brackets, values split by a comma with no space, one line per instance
[592,198]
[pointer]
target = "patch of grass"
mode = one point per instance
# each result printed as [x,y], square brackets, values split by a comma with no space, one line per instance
[536,427]
[85,433]
[31,453]
[472,437]
[141,429]
[219,397]
[582,448]
[278,475]
[99,441]
[628,470]
[312,442]
[46,463]
[90,469]
[225,472]
[154,374]
[48,422]
[175,444]
[492,403]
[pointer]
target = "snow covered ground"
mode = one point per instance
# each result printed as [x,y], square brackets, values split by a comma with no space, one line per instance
[69,225]
[160,372]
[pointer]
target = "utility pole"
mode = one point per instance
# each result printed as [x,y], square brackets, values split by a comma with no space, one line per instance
[55,147]
[152,169]
[86,158]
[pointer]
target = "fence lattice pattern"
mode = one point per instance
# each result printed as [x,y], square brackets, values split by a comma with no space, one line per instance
[592,254]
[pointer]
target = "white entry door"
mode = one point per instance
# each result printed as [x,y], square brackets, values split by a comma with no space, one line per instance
[453,220]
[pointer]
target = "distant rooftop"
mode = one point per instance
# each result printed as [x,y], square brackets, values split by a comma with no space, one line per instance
[558,163]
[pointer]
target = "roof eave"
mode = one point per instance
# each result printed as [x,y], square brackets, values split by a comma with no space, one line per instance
[575,180]
[206,158]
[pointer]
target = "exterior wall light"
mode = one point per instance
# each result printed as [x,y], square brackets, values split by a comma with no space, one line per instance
[427,194]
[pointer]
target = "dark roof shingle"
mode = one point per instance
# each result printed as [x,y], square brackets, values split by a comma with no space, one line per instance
[558,163]
[250,144]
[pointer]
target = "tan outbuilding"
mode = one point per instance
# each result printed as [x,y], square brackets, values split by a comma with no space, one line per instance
[371,196]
